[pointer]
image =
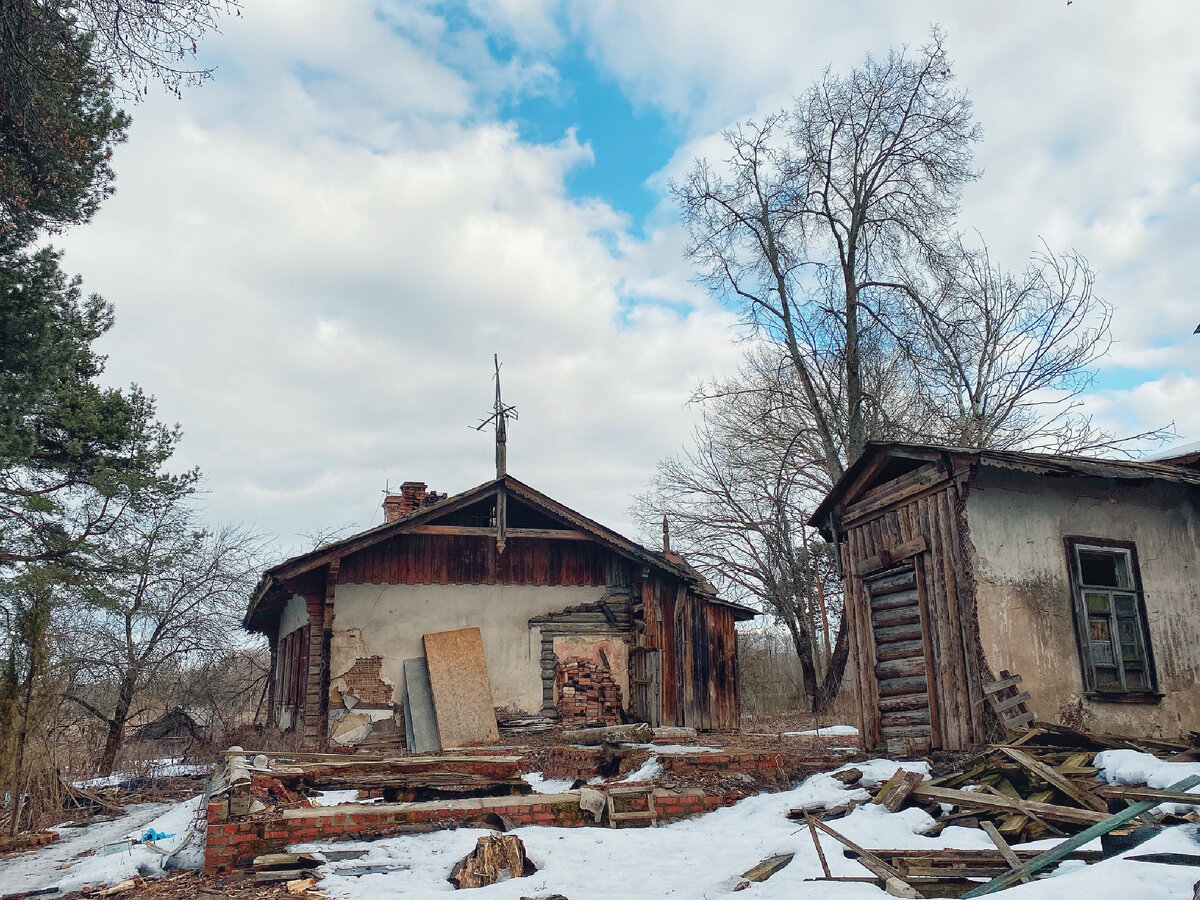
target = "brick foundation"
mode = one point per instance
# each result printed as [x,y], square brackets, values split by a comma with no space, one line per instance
[233,844]
[27,841]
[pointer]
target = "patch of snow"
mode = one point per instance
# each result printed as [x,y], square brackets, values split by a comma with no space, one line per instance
[1134,767]
[825,731]
[675,749]
[648,771]
[333,798]
[60,864]
[547,785]
[155,768]
[877,771]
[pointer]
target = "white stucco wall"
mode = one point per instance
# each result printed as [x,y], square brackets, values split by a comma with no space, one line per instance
[1017,523]
[389,620]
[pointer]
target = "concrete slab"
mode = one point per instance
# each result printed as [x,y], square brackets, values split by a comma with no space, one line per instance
[462,694]
[420,720]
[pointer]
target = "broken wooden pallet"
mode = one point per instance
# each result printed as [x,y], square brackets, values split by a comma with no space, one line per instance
[628,796]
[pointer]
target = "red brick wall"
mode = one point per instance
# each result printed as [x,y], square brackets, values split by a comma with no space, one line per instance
[232,845]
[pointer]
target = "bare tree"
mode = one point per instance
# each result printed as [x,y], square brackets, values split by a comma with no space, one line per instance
[737,501]
[1004,357]
[824,211]
[172,594]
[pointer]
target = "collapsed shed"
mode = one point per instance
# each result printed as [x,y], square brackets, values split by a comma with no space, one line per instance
[545,586]
[1078,574]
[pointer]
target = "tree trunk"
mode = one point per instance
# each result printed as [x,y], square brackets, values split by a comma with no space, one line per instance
[803,649]
[832,683]
[116,725]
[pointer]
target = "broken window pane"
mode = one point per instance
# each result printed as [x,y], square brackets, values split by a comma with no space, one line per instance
[1104,568]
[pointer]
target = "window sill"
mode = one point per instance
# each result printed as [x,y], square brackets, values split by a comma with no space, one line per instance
[1124,696]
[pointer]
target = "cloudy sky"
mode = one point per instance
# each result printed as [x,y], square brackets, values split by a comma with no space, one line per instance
[314,256]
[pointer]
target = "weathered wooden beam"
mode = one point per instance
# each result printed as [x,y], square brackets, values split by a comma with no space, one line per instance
[995,803]
[1057,780]
[1054,854]
[1006,851]
[1131,792]
[564,534]
[894,884]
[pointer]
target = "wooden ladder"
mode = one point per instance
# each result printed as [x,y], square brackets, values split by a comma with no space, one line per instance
[1008,701]
[631,794]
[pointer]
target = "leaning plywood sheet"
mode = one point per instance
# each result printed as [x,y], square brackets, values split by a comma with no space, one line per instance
[462,694]
[420,723]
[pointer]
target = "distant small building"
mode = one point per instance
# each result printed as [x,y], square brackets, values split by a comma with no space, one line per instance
[543,584]
[177,724]
[1080,575]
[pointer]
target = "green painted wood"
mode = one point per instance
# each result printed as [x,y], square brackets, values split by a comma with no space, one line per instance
[1054,854]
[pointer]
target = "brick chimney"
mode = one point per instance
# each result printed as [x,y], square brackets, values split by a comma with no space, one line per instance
[410,499]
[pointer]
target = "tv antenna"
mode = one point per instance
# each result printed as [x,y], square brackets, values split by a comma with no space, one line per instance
[501,413]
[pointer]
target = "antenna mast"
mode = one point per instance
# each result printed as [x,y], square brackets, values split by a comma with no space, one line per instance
[500,415]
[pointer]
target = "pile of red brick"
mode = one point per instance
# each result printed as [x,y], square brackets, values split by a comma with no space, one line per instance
[587,694]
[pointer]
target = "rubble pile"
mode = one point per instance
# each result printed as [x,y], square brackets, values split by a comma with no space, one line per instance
[1041,784]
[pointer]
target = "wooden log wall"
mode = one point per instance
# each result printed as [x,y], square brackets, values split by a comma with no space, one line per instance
[698,640]
[922,504]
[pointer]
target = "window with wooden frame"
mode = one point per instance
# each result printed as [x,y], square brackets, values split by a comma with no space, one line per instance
[1110,618]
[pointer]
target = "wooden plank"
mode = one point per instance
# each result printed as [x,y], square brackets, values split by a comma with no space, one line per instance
[1147,793]
[1054,854]
[894,884]
[1018,721]
[1009,703]
[817,843]
[462,693]
[1002,845]
[1056,780]
[1000,803]
[1010,681]
[768,867]
[896,789]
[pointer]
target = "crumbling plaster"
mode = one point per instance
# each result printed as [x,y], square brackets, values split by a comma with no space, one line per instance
[1017,523]
[389,620]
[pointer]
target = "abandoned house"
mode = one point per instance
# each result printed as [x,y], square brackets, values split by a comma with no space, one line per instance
[1082,576]
[559,600]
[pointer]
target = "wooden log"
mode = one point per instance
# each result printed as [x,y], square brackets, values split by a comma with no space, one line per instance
[638,733]
[1054,854]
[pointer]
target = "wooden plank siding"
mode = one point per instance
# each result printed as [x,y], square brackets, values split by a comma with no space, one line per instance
[459,559]
[698,644]
[920,504]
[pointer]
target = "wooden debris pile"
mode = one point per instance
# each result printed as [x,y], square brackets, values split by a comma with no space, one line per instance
[587,694]
[1040,785]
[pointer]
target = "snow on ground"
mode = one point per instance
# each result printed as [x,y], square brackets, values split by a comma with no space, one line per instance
[154,768]
[825,731]
[1134,767]
[333,798]
[675,749]
[59,863]
[877,771]
[647,771]
[547,785]
[702,858]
